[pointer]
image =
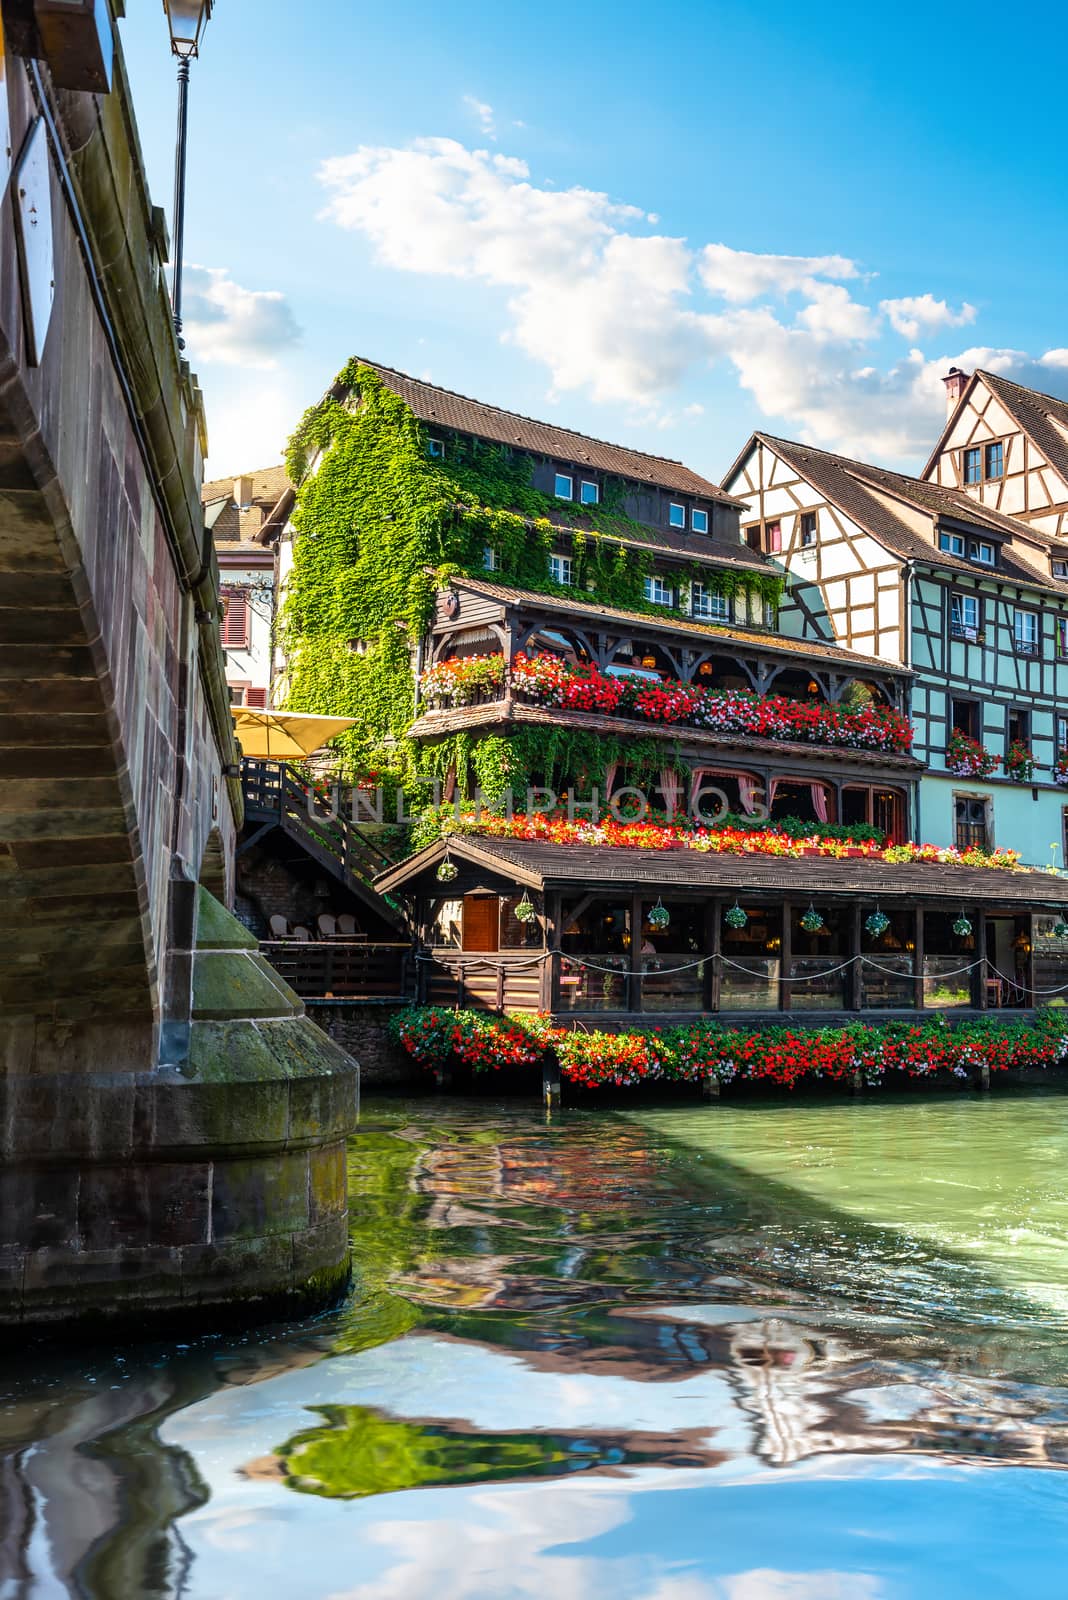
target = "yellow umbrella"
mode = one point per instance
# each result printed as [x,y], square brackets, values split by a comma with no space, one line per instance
[284,735]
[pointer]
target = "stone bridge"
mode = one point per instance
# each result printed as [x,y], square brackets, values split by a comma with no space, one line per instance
[152,1096]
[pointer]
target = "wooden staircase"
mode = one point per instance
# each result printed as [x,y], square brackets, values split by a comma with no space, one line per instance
[274,798]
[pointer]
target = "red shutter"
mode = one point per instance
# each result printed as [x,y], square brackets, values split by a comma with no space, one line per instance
[774,536]
[256,699]
[235,622]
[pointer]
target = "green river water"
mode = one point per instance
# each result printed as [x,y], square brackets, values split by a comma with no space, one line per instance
[788,1351]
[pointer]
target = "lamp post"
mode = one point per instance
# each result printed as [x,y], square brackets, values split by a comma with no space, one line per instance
[187,20]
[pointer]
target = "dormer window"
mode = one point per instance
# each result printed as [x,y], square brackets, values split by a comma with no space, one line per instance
[564,487]
[676,515]
[1059,568]
[699,521]
[951,544]
[979,550]
[589,493]
[435,449]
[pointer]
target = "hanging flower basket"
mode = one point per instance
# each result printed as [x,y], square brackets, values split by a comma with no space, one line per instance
[877,924]
[812,922]
[735,917]
[447,871]
[1060,929]
[962,927]
[524,911]
[659,917]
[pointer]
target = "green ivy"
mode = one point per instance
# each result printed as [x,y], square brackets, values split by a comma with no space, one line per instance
[381,526]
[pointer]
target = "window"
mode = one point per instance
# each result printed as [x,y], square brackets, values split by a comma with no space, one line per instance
[708,605]
[771,614]
[677,515]
[235,627]
[1062,636]
[589,493]
[564,488]
[699,521]
[972,818]
[1062,733]
[1059,569]
[1018,726]
[972,465]
[659,592]
[489,558]
[994,460]
[435,448]
[751,536]
[808,529]
[964,616]
[952,544]
[964,718]
[979,550]
[1025,632]
[773,537]
[560,569]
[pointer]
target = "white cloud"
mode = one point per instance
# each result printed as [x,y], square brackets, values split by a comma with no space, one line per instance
[627,315]
[248,427]
[484,113]
[226,323]
[915,314]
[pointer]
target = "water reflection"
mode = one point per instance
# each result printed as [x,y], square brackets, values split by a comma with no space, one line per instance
[675,1356]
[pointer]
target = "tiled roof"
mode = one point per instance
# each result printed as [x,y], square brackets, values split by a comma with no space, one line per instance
[753,638]
[432,404]
[867,494]
[540,862]
[694,546]
[229,521]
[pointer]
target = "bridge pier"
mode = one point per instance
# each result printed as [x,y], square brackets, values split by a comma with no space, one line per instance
[208,1186]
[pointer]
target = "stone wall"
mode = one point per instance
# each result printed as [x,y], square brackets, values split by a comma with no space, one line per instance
[362,1028]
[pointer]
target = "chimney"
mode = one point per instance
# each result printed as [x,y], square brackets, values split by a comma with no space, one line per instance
[243,491]
[956,382]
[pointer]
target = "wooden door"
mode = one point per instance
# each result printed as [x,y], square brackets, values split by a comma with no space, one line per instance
[481,921]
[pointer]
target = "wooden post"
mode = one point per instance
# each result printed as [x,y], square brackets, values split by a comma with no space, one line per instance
[713,949]
[785,986]
[918,959]
[550,1083]
[855,985]
[635,996]
[550,967]
[979,973]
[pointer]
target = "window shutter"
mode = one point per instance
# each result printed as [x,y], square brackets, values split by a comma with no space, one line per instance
[256,699]
[235,622]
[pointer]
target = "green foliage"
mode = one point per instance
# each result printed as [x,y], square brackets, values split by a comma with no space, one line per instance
[381,526]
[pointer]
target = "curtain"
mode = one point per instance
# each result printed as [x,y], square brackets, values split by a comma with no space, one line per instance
[611,768]
[671,788]
[747,787]
[819,802]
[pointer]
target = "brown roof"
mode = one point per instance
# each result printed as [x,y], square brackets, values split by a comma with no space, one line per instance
[753,638]
[432,404]
[538,863]
[262,491]
[866,494]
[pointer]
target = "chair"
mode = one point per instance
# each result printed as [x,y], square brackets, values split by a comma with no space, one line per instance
[327,925]
[279,927]
[302,934]
[346,925]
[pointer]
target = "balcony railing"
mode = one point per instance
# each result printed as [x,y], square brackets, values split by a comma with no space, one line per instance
[336,969]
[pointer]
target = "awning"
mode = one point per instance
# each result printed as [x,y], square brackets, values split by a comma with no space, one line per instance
[284,735]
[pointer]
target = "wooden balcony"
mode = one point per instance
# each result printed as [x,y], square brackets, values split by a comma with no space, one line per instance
[339,969]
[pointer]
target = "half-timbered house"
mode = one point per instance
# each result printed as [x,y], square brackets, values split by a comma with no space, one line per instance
[921,574]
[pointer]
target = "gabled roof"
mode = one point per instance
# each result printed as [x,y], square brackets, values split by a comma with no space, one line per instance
[434,405]
[269,499]
[537,863]
[1041,416]
[709,632]
[870,495]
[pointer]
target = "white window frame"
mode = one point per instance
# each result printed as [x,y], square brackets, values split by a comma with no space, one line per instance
[960,605]
[673,520]
[654,583]
[708,605]
[952,544]
[489,558]
[976,549]
[435,449]
[592,499]
[564,477]
[562,570]
[1026,640]
[1059,568]
[702,526]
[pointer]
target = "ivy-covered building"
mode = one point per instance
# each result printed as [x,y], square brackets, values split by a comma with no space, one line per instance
[504,603]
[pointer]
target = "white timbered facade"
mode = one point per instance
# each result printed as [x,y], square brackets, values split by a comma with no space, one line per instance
[921,575]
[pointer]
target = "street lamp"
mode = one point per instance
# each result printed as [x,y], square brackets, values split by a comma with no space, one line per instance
[187,20]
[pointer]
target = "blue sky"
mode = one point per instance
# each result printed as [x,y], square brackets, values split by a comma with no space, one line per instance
[663,225]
